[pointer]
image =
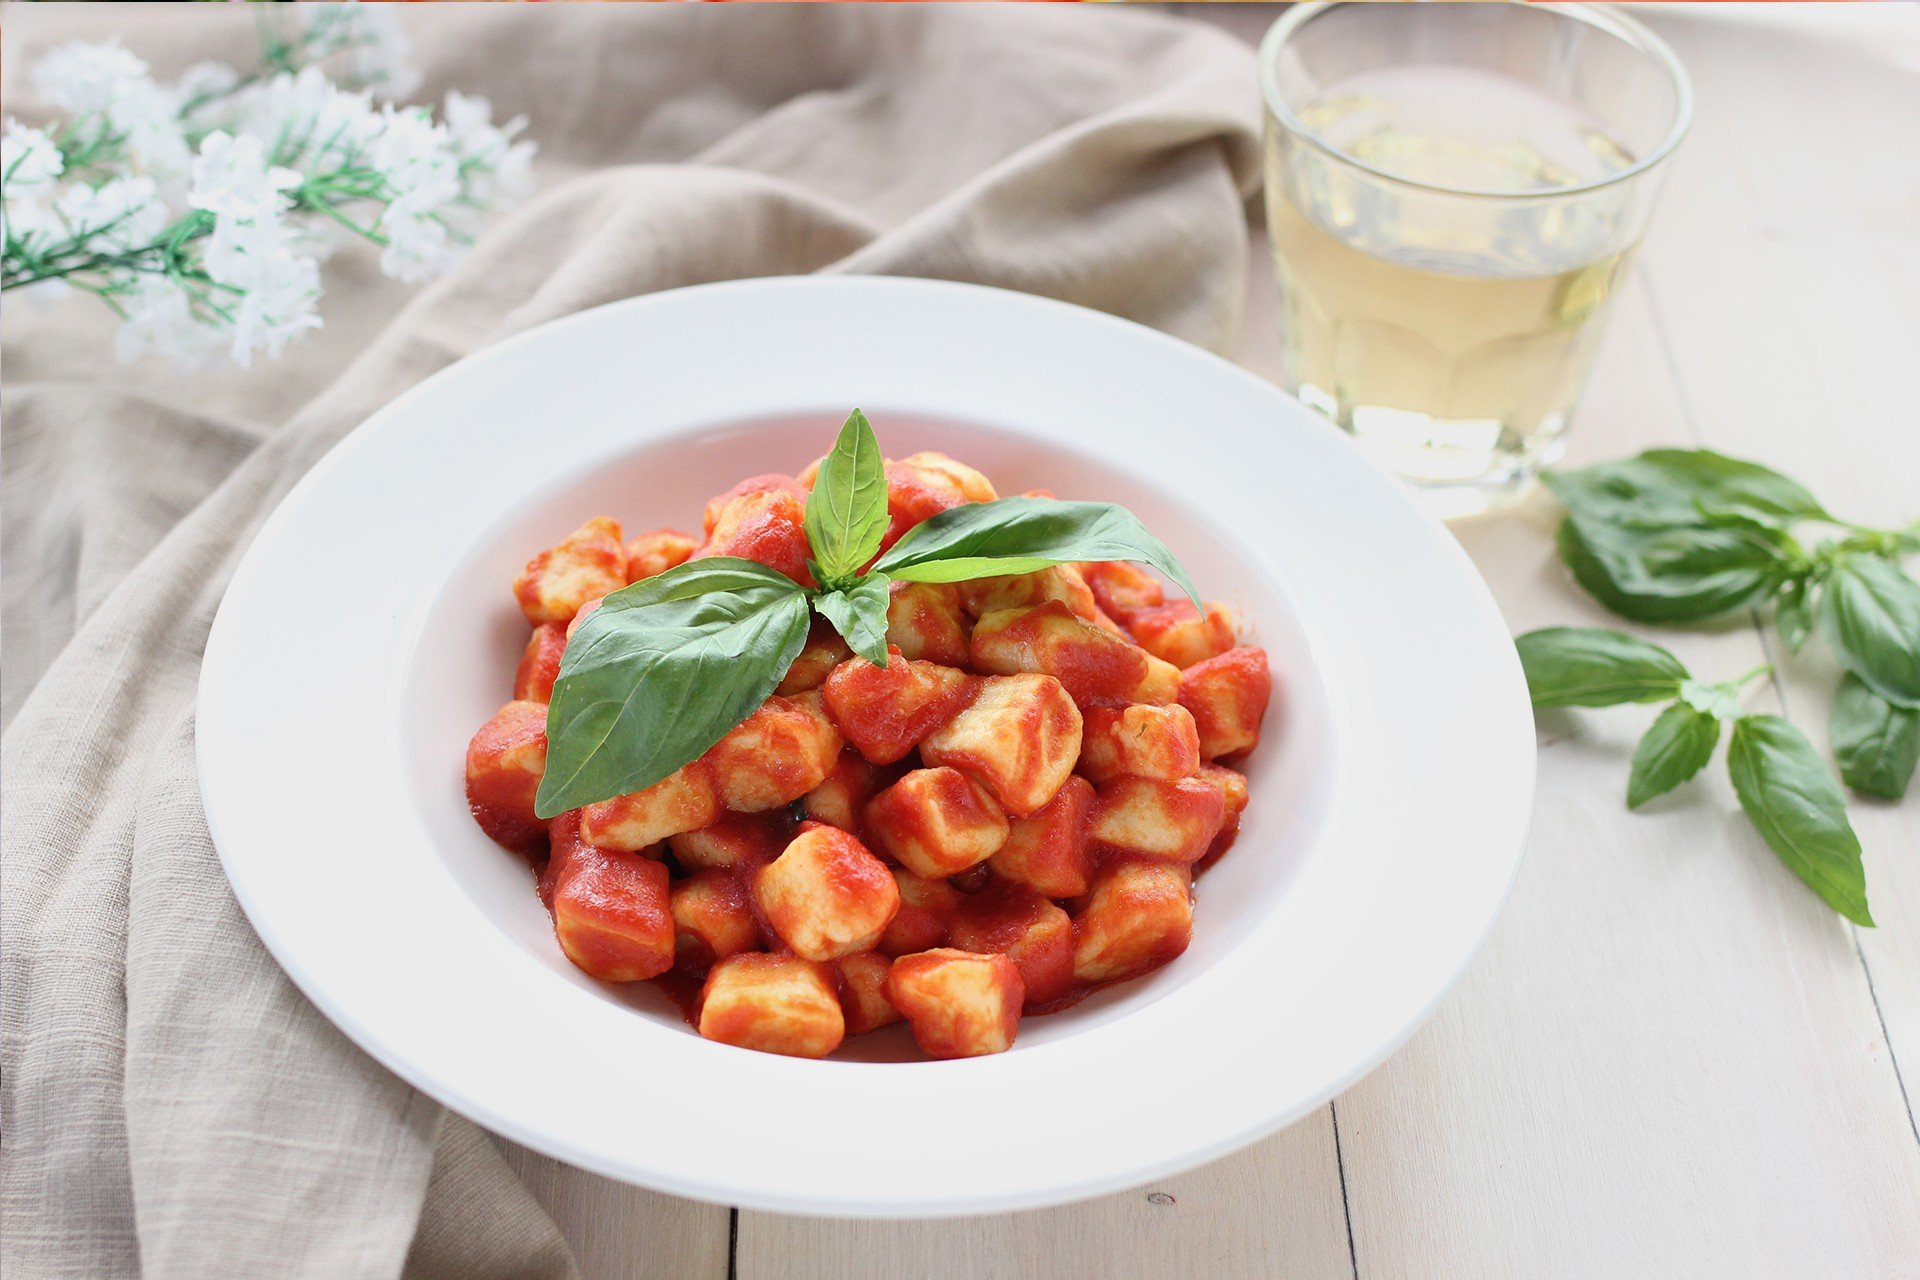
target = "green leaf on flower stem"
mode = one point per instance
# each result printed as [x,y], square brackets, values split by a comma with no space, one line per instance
[1678,746]
[661,671]
[847,507]
[1596,667]
[1876,743]
[1020,535]
[859,614]
[1793,801]
[1870,611]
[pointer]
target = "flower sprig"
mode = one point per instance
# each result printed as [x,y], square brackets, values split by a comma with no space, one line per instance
[200,211]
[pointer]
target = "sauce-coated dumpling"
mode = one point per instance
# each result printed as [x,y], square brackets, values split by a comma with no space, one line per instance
[1007,815]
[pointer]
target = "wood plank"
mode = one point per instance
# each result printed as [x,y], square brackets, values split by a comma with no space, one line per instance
[1668,1060]
[618,1232]
[1787,269]
[1271,1212]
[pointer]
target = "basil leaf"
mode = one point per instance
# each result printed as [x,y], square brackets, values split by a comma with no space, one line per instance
[1871,613]
[1679,572]
[1019,535]
[859,614]
[1669,486]
[1721,701]
[1595,667]
[1678,746]
[847,508]
[1876,743]
[1799,810]
[1793,613]
[661,671]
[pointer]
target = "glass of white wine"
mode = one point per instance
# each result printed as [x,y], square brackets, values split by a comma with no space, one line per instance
[1454,192]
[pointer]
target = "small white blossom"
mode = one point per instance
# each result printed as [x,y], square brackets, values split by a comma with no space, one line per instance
[288,165]
[280,303]
[110,87]
[232,179]
[498,167]
[161,322]
[413,155]
[380,54]
[206,81]
[85,78]
[313,121]
[419,245]
[27,156]
[118,215]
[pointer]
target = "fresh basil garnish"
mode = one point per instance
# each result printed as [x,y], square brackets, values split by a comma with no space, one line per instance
[1799,810]
[1678,746]
[1020,535]
[664,668]
[847,509]
[1876,744]
[859,614]
[1594,667]
[661,671]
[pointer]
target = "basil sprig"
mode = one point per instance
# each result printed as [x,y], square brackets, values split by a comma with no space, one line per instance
[1679,536]
[1784,786]
[1020,535]
[664,668]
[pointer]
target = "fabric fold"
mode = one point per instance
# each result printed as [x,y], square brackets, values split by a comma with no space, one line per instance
[173,1106]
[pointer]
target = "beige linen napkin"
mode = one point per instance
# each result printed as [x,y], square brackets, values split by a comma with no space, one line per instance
[173,1107]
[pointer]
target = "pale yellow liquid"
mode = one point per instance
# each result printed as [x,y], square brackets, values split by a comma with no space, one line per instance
[1450,336]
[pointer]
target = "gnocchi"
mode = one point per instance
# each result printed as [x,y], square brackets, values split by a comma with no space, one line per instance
[1006,816]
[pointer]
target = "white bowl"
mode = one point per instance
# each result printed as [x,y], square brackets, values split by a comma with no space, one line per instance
[369,631]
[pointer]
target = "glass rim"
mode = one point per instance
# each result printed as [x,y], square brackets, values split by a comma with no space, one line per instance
[1602,17]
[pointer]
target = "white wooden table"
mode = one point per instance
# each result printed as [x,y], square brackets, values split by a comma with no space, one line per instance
[1671,1059]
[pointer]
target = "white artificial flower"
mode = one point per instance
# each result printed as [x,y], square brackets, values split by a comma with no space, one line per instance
[206,80]
[160,321]
[413,154]
[419,246]
[314,119]
[280,304]
[148,116]
[380,54]
[24,220]
[231,178]
[108,81]
[27,156]
[82,78]
[497,167]
[119,214]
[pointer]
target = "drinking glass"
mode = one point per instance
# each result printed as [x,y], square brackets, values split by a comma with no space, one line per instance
[1454,193]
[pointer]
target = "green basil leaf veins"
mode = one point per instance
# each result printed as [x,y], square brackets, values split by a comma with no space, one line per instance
[1020,535]
[1676,747]
[847,507]
[1798,808]
[1676,573]
[859,614]
[1871,613]
[1876,743]
[661,671]
[1596,667]
[1672,486]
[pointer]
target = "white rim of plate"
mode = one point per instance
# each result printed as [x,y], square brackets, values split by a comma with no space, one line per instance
[1426,693]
